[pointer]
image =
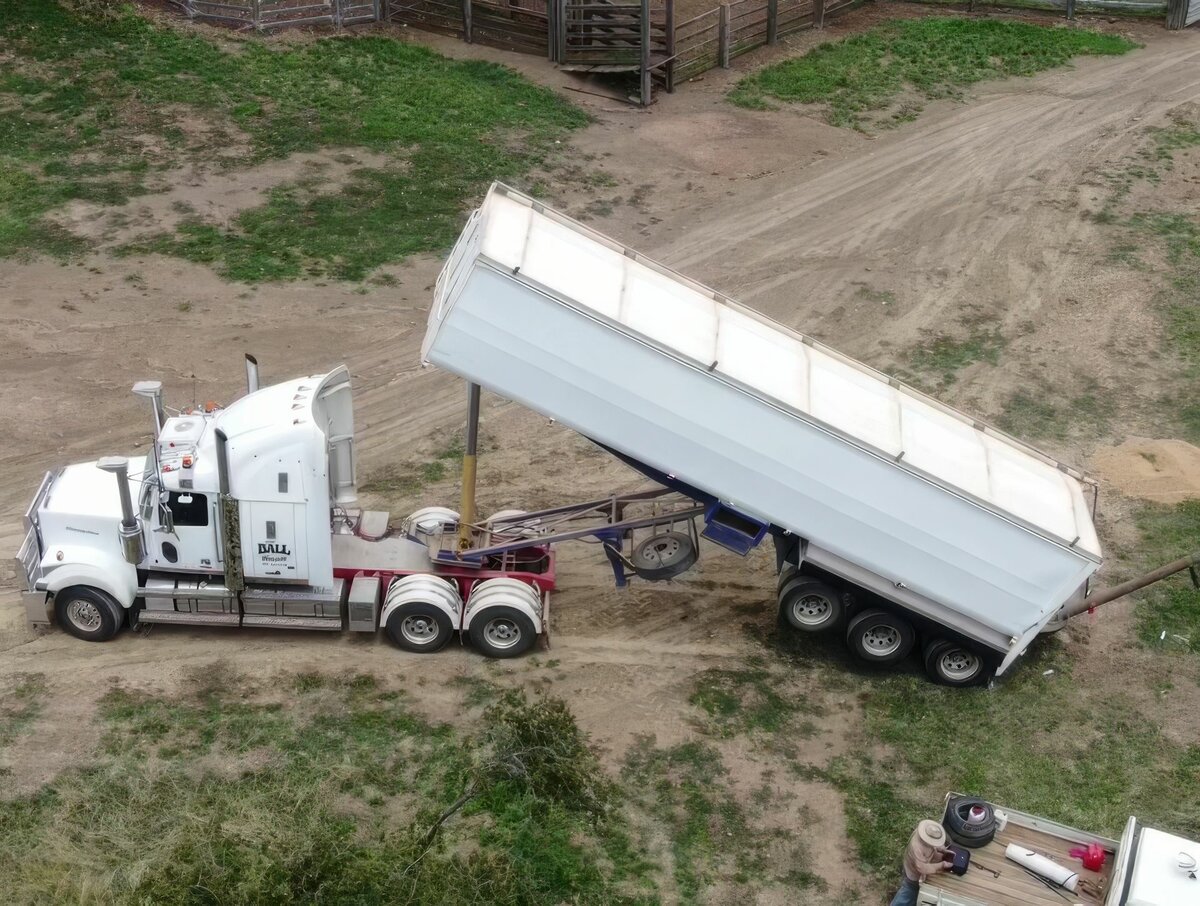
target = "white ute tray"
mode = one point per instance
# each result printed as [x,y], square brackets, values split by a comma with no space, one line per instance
[547,312]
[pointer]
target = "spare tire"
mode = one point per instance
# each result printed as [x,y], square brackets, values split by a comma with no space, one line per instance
[970,822]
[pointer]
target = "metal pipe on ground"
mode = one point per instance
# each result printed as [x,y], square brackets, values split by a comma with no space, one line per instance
[1105,595]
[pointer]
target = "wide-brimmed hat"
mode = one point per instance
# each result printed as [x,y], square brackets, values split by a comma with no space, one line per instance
[932,833]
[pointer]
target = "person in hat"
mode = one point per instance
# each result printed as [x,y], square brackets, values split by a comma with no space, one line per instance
[926,855]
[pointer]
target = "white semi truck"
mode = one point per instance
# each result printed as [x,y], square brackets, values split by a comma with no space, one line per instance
[245,516]
[895,519]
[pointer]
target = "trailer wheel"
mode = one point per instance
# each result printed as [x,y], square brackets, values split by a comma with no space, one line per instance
[951,664]
[502,632]
[880,638]
[810,605]
[88,613]
[664,556]
[420,627]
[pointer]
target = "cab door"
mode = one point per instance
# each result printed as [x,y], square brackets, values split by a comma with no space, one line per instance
[189,543]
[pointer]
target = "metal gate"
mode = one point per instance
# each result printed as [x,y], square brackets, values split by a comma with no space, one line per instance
[1182,13]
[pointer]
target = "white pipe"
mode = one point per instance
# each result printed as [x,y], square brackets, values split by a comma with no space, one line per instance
[1040,865]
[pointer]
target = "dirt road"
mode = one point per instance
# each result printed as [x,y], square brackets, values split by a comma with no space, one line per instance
[975,214]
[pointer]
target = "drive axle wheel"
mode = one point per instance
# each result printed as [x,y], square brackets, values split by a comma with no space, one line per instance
[419,627]
[879,638]
[502,632]
[88,613]
[810,605]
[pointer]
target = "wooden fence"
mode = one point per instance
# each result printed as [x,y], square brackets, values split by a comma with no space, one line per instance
[1146,8]
[714,38]
[281,13]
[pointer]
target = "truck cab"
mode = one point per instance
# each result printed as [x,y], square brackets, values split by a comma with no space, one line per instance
[246,515]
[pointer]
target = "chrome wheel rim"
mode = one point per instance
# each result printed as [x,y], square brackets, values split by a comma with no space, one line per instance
[502,633]
[880,641]
[812,610]
[84,615]
[958,664]
[419,629]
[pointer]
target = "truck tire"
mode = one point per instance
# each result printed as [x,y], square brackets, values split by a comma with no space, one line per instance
[502,632]
[88,613]
[664,556]
[971,836]
[810,605]
[952,664]
[420,627]
[880,638]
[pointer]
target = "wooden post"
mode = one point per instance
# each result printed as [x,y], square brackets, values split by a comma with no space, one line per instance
[551,28]
[562,30]
[818,13]
[256,14]
[645,53]
[723,37]
[772,21]
[1070,9]
[670,46]
[466,14]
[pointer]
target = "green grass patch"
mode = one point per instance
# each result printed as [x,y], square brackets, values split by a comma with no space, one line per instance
[684,789]
[944,356]
[333,799]
[1034,417]
[90,106]
[405,479]
[1169,612]
[20,706]
[936,57]
[744,701]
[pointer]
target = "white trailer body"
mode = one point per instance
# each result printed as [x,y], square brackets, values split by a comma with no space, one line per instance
[940,514]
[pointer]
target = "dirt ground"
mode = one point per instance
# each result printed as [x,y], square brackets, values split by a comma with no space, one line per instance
[972,213]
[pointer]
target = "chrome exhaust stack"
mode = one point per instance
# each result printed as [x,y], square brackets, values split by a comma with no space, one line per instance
[133,544]
[152,390]
[251,373]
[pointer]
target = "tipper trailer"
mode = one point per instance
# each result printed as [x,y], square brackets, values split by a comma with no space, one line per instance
[894,518]
[893,515]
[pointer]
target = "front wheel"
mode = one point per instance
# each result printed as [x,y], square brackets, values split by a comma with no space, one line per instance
[419,627]
[880,638]
[88,613]
[952,664]
[502,632]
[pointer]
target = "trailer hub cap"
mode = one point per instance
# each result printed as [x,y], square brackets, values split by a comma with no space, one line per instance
[812,610]
[419,630]
[502,633]
[84,615]
[959,664]
[881,641]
